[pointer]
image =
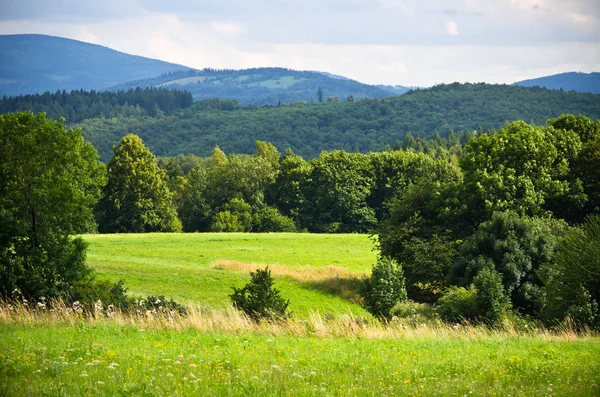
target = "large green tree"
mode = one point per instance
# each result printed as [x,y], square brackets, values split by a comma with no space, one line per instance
[335,193]
[50,179]
[522,168]
[136,198]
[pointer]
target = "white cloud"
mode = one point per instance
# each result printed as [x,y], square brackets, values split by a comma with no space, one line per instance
[452,28]
[411,42]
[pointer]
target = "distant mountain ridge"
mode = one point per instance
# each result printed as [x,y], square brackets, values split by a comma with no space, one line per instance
[571,81]
[32,63]
[264,86]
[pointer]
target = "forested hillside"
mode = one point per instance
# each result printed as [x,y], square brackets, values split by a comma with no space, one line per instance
[265,86]
[580,82]
[33,63]
[364,125]
[79,105]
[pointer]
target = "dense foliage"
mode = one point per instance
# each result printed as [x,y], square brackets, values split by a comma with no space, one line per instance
[363,125]
[136,198]
[50,180]
[506,224]
[79,105]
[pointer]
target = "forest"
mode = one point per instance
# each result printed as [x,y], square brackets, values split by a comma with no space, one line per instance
[507,223]
[263,86]
[78,105]
[359,125]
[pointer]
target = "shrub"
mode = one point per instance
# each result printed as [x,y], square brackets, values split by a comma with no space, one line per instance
[492,300]
[269,219]
[225,221]
[384,288]
[572,287]
[90,291]
[160,304]
[258,299]
[458,303]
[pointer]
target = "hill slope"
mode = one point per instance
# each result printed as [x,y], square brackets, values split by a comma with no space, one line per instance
[264,86]
[32,63]
[366,125]
[580,82]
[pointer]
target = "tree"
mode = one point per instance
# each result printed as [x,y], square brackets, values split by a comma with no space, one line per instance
[259,299]
[136,198]
[50,179]
[423,230]
[320,95]
[522,168]
[517,247]
[335,194]
[573,279]
[384,288]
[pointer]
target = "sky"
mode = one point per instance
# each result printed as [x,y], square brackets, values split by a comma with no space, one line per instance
[394,42]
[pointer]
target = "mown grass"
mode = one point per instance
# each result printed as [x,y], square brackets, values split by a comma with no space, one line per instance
[315,272]
[106,358]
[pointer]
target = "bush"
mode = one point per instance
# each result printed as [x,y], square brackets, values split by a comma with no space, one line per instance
[269,219]
[458,304]
[492,300]
[384,288]
[258,299]
[572,285]
[90,291]
[160,304]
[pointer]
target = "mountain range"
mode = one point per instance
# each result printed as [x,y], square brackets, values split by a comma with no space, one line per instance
[33,63]
[572,81]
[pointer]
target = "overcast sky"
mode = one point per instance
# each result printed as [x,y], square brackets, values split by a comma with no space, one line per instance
[410,42]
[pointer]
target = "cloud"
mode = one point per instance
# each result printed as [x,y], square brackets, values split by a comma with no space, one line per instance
[452,28]
[409,42]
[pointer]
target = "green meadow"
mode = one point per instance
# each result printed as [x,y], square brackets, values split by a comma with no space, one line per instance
[329,347]
[110,360]
[314,271]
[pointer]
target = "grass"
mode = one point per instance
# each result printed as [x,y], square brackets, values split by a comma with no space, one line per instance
[313,271]
[216,351]
[222,353]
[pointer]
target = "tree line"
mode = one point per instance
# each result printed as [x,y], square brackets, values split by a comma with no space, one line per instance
[78,105]
[508,224]
[361,125]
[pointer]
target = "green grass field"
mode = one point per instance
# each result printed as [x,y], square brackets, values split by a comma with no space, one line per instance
[202,268]
[219,352]
[124,360]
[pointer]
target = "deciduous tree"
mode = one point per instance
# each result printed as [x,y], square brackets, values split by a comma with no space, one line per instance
[50,179]
[136,198]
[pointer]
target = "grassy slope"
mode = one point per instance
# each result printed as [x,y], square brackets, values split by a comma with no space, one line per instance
[113,360]
[179,265]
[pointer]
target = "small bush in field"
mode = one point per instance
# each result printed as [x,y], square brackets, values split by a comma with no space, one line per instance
[457,304]
[160,304]
[258,299]
[90,291]
[384,288]
[491,298]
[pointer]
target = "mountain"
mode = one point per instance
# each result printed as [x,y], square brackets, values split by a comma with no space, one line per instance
[32,63]
[572,81]
[363,125]
[263,86]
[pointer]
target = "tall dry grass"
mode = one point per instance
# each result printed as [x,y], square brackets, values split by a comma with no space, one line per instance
[317,325]
[332,279]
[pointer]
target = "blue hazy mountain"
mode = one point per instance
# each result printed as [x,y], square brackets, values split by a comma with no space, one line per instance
[572,81]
